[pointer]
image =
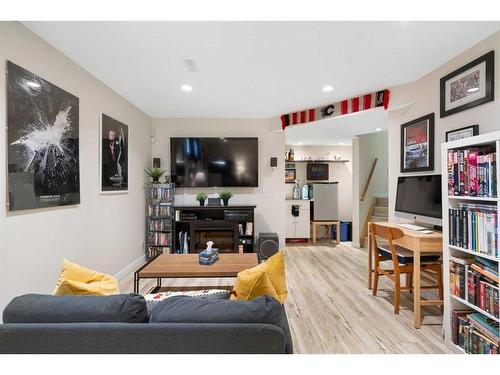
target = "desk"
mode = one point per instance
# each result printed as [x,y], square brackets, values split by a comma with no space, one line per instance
[419,243]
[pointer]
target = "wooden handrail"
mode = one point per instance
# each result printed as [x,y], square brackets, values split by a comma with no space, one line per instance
[364,228]
[368,180]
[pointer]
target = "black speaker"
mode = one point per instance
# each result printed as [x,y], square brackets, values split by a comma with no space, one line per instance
[268,245]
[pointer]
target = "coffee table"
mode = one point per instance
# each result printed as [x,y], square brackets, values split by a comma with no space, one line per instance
[174,266]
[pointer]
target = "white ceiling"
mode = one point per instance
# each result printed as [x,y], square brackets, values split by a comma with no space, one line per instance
[336,131]
[256,69]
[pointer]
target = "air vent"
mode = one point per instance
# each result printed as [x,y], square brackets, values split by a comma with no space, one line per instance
[191,66]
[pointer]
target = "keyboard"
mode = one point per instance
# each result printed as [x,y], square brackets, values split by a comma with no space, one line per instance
[411,227]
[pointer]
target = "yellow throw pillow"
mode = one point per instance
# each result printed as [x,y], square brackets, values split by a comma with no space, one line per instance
[274,267]
[253,283]
[75,279]
[248,285]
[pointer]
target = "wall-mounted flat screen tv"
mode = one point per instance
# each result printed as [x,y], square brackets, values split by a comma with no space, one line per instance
[214,162]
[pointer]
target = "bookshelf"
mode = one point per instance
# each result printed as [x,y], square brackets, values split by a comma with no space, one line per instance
[159,219]
[472,221]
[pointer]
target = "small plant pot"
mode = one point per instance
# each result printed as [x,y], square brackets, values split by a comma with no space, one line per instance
[225,201]
[202,202]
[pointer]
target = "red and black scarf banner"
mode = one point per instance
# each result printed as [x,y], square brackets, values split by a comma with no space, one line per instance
[344,107]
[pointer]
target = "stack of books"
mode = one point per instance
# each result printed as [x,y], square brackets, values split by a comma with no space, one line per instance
[472,172]
[474,333]
[475,280]
[474,227]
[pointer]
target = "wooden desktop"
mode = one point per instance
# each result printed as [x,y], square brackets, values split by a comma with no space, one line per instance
[420,243]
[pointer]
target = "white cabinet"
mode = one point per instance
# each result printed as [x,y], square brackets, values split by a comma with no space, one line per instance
[298,226]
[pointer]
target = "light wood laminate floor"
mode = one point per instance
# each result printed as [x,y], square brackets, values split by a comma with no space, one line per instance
[330,310]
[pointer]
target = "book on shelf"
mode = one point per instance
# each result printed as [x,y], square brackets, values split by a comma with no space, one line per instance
[474,333]
[474,227]
[473,286]
[249,229]
[472,172]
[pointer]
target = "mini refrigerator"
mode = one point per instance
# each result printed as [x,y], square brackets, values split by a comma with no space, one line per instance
[326,201]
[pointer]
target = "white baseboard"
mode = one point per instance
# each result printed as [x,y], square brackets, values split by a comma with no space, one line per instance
[130,268]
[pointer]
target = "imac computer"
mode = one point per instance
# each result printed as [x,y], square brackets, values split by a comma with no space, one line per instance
[419,198]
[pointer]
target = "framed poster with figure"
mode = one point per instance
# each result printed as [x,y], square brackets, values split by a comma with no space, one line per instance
[417,145]
[42,142]
[114,138]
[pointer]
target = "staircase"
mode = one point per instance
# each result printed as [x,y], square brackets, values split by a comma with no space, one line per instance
[378,212]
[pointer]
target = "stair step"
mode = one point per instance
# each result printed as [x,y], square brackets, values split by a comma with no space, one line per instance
[381,211]
[379,218]
[382,201]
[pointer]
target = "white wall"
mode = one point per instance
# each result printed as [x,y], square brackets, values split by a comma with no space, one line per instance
[337,172]
[269,196]
[366,148]
[421,97]
[104,232]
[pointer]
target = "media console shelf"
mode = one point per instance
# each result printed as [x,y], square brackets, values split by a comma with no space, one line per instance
[229,227]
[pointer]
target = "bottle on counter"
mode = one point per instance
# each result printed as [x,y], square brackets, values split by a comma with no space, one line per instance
[305,191]
[296,190]
[290,155]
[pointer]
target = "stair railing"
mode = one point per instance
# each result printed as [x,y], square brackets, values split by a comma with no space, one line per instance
[368,180]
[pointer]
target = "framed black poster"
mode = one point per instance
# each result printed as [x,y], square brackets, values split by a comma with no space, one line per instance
[466,132]
[317,171]
[468,86]
[42,142]
[113,162]
[417,145]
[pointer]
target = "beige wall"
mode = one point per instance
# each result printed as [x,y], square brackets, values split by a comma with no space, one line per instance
[104,232]
[269,196]
[421,97]
[337,172]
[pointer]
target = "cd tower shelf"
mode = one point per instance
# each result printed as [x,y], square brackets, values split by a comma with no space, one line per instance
[464,251]
[159,219]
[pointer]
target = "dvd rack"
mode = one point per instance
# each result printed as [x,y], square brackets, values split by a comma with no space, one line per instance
[159,219]
[470,243]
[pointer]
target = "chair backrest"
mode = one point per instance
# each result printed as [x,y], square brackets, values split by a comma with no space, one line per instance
[387,233]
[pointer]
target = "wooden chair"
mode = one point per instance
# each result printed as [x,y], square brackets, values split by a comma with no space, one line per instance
[402,260]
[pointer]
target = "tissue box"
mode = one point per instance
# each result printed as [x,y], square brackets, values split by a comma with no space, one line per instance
[208,257]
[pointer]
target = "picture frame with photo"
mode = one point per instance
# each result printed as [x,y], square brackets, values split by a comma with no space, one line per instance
[417,145]
[465,132]
[469,86]
[290,176]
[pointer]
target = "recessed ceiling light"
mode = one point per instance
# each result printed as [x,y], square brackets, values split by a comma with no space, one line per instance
[299,143]
[341,143]
[328,88]
[473,89]
[187,88]
[378,129]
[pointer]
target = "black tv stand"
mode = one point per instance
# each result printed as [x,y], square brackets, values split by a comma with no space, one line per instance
[227,226]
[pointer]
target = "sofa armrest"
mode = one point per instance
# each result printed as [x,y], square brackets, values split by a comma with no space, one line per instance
[145,338]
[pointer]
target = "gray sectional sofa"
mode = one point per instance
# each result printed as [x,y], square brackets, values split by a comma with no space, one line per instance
[123,324]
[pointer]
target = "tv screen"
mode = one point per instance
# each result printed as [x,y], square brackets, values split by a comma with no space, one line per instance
[209,162]
[419,195]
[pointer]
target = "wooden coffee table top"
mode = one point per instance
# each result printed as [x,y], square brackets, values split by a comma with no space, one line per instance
[186,265]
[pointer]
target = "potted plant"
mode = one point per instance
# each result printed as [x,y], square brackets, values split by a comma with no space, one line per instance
[201,197]
[225,195]
[154,173]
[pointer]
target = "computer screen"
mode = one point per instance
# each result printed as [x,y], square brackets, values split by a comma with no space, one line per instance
[419,195]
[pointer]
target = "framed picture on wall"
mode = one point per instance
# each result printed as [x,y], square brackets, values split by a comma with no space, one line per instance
[290,176]
[417,145]
[42,142]
[113,160]
[317,172]
[469,86]
[466,132]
